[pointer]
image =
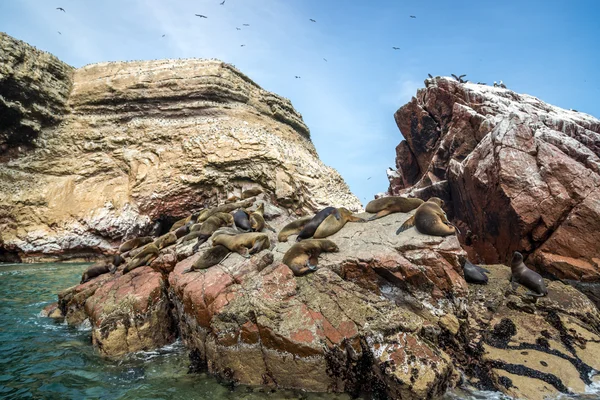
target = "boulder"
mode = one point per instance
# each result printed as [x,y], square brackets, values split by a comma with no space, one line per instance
[517,174]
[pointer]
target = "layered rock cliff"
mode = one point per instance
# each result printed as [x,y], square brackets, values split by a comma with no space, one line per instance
[117,148]
[517,173]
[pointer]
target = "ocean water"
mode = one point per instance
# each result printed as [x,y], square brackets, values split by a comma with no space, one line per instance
[44,359]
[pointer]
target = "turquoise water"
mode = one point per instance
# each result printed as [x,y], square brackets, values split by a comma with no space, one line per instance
[41,358]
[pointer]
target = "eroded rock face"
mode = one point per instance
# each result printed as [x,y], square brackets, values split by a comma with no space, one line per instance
[517,173]
[151,141]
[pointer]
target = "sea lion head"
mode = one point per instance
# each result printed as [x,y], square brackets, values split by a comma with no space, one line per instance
[330,247]
[436,200]
[517,259]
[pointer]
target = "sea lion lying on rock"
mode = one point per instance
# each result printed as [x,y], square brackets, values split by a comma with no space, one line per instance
[257,219]
[166,240]
[242,220]
[135,243]
[245,244]
[520,274]
[293,228]
[225,208]
[209,227]
[430,219]
[311,226]
[97,269]
[148,253]
[303,256]
[391,204]
[210,257]
[332,224]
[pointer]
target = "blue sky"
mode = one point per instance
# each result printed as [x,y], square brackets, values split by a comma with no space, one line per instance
[548,49]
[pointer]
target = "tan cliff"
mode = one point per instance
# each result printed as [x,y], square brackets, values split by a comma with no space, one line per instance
[124,145]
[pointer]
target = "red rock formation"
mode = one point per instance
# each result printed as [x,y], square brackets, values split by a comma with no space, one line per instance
[517,173]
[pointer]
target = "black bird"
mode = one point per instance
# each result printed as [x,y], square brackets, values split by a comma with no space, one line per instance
[459,78]
[59,32]
[61,9]
[163,35]
[222,3]
[325,59]
[246,24]
[481,83]
[200,15]
[312,20]
[239,29]
[396,48]
[242,45]
[430,76]
[297,77]
[412,16]
[368,178]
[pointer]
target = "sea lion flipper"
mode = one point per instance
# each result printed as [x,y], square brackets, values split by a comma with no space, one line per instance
[409,223]
[353,218]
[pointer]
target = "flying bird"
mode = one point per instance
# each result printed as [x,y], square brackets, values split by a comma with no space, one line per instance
[325,59]
[61,9]
[396,48]
[297,77]
[239,29]
[200,15]
[242,45]
[246,24]
[222,3]
[59,32]
[164,35]
[368,178]
[412,16]
[312,20]
[460,78]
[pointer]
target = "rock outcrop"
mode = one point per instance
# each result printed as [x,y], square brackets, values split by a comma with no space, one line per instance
[140,143]
[517,173]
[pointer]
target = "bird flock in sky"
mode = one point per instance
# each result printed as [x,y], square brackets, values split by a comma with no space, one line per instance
[237,28]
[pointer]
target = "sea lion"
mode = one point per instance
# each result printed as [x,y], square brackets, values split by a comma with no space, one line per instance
[312,225]
[246,194]
[257,219]
[210,257]
[208,227]
[118,260]
[185,221]
[242,220]
[302,257]
[430,219]
[331,224]
[225,208]
[135,243]
[392,204]
[292,228]
[520,274]
[97,269]
[474,273]
[244,244]
[166,240]
[182,231]
[149,252]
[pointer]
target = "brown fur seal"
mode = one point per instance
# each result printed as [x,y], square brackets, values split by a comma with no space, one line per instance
[99,268]
[474,273]
[209,227]
[388,205]
[210,257]
[246,194]
[225,208]
[302,257]
[165,240]
[312,225]
[524,276]
[293,228]
[135,243]
[430,219]
[257,219]
[182,231]
[244,244]
[149,252]
[331,224]
[185,221]
[242,220]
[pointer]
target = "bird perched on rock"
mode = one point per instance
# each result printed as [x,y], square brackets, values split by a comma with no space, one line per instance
[502,85]
[460,78]
[430,76]
[61,9]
